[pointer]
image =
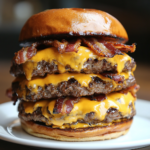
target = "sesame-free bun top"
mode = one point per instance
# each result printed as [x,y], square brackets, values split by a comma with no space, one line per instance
[72,22]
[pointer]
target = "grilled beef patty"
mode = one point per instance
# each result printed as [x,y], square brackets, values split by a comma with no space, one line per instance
[70,88]
[91,66]
[112,115]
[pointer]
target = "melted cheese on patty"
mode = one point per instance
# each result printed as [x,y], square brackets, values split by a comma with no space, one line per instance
[55,79]
[116,100]
[74,60]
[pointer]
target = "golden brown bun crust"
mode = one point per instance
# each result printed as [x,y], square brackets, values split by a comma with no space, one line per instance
[84,134]
[73,22]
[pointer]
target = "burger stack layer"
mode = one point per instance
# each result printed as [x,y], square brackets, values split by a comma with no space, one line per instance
[78,88]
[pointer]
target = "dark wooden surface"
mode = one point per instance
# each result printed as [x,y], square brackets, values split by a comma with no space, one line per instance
[142,75]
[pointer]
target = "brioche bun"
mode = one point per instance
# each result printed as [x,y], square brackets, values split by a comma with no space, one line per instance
[83,134]
[72,22]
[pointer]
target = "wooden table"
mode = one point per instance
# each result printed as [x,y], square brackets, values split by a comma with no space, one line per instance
[142,75]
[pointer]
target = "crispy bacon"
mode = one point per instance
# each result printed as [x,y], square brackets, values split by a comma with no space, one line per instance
[69,104]
[61,46]
[66,46]
[25,54]
[99,97]
[12,95]
[58,105]
[73,46]
[101,47]
[64,105]
[116,77]
[125,48]
[133,89]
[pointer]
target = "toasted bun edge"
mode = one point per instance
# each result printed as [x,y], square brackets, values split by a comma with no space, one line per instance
[87,134]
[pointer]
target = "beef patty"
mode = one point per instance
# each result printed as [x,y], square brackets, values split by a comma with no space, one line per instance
[90,66]
[71,87]
[112,115]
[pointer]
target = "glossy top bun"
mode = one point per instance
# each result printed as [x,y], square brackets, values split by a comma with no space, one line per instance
[72,22]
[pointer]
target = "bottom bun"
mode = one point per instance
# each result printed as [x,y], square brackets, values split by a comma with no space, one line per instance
[82,134]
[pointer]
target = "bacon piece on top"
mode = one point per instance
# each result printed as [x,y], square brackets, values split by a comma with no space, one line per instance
[28,52]
[61,46]
[101,47]
[125,48]
[65,46]
[25,54]
[73,46]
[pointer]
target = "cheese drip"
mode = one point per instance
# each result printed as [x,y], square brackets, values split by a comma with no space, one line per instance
[75,60]
[116,100]
[55,79]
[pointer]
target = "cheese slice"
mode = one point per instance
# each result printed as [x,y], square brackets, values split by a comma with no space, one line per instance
[74,60]
[116,100]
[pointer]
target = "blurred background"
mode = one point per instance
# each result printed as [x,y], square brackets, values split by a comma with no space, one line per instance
[134,15]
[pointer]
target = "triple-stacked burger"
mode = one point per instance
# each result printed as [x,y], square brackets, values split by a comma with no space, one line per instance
[74,79]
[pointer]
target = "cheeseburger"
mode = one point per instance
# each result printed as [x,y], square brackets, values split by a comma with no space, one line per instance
[74,78]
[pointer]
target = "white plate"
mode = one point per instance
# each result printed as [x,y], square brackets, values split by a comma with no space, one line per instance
[138,136]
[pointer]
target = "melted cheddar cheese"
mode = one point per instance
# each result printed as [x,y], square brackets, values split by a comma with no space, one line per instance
[116,100]
[75,60]
[55,79]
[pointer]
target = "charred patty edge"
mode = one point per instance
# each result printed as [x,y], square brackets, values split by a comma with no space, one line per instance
[112,115]
[90,66]
[70,88]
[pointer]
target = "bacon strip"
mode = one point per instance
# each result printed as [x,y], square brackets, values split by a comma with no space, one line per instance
[61,46]
[69,104]
[99,97]
[25,54]
[28,52]
[58,106]
[12,95]
[65,46]
[73,46]
[115,77]
[101,47]
[125,48]
[64,105]
[133,89]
